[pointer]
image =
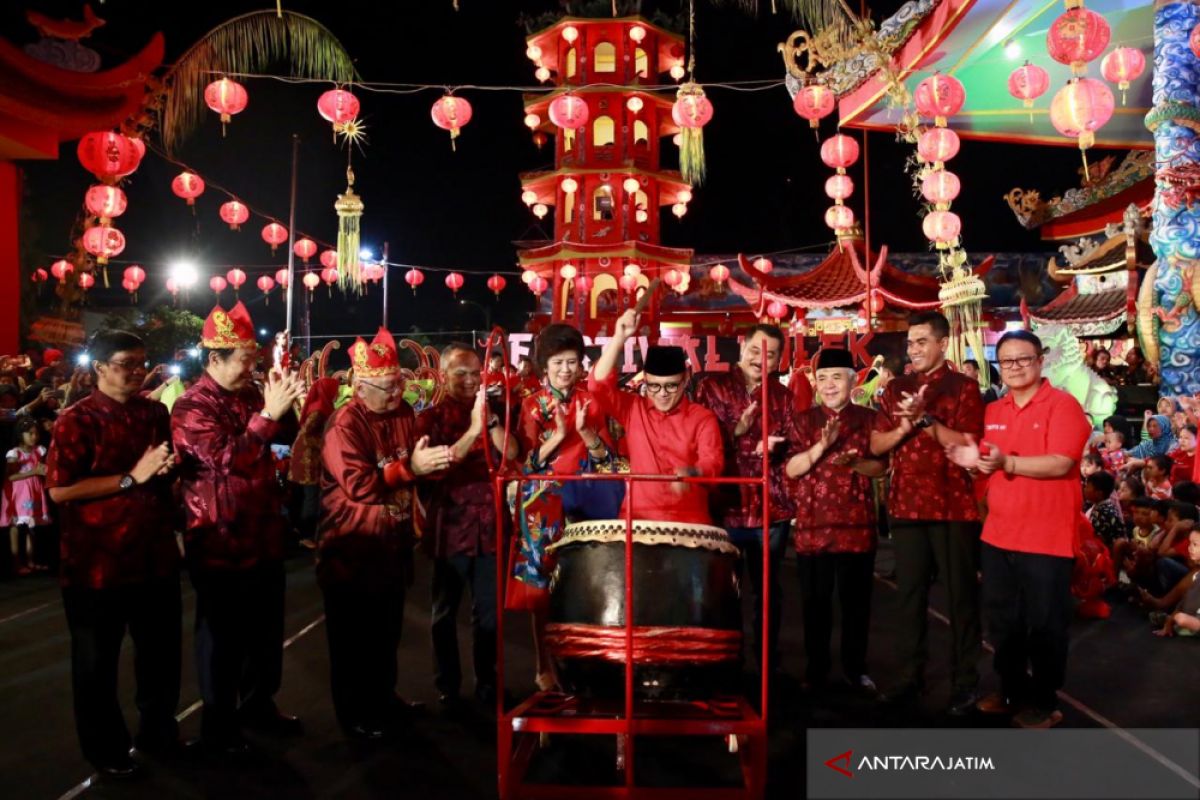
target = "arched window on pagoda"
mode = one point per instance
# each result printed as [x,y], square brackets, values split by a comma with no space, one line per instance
[605,57]
[569,202]
[572,63]
[604,284]
[602,203]
[639,200]
[641,133]
[568,139]
[641,63]
[603,131]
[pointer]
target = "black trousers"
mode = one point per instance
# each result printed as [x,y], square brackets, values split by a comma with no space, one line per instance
[951,548]
[363,625]
[239,645]
[1027,598]
[450,577]
[853,576]
[98,619]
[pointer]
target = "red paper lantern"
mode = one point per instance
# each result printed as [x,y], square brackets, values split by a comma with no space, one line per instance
[414,278]
[338,106]
[719,273]
[877,303]
[583,284]
[939,96]
[692,110]
[87,281]
[1076,37]
[1081,108]
[1027,83]
[629,283]
[266,283]
[328,257]
[234,214]
[217,283]
[937,145]
[941,227]
[105,202]
[61,269]
[839,151]
[306,249]
[226,97]
[139,147]
[1194,41]
[135,274]
[496,283]
[173,286]
[672,278]
[763,265]
[839,218]
[274,234]
[839,187]
[103,242]
[940,187]
[329,275]
[539,285]
[814,102]
[451,113]
[281,277]
[39,275]
[568,111]
[127,285]
[189,186]
[236,278]
[1122,66]
[311,280]
[373,272]
[777,310]
[454,282]
[108,155]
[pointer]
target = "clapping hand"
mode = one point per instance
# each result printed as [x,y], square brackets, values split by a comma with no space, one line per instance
[772,443]
[912,405]
[746,419]
[280,393]
[846,459]
[426,459]
[829,433]
[581,409]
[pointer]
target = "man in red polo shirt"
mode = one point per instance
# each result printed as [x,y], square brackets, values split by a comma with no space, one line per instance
[931,504]
[1035,436]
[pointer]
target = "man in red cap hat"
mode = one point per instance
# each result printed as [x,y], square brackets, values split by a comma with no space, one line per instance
[222,428]
[372,457]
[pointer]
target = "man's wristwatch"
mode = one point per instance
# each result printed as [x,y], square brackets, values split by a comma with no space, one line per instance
[127,483]
[266,415]
[924,422]
[493,421]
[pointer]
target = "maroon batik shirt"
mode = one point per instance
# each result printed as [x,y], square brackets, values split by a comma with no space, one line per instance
[231,496]
[121,538]
[727,396]
[835,505]
[925,485]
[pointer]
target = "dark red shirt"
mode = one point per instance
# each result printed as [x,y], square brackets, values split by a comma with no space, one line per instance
[924,483]
[727,396]
[231,496]
[459,502]
[835,506]
[122,538]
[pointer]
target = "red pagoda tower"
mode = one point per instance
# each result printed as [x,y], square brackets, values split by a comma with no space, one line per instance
[607,189]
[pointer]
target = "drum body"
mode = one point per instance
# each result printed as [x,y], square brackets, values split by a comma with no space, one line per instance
[686,609]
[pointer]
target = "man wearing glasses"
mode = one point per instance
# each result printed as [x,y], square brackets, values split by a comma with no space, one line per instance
[666,433]
[372,457]
[1029,460]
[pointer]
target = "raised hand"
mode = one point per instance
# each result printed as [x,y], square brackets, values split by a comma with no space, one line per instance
[560,420]
[426,459]
[151,463]
[829,433]
[581,410]
[772,443]
[846,459]
[479,411]
[912,405]
[280,393]
[626,325]
[746,419]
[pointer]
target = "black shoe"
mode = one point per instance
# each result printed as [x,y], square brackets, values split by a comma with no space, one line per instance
[862,685]
[366,732]
[273,722]
[962,702]
[120,769]
[902,695]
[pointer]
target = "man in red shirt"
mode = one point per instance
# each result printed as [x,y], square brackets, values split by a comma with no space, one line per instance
[222,429]
[931,504]
[1035,437]
[371,457]
[735,397]
[108,472]
[462,522]
[666,433]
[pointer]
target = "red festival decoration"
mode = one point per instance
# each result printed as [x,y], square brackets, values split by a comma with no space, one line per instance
[1122,66]
[173,287]
[719,273]
[937,145]
[103,242]
[108,155]
[128,285]
[135,274]
[87,281]
[451,113]
[373,272]
[939,96]
[328,257]
[339,107]
[496,283]
[814,102]
[61,269]
[265,283]
[274,234]
[105,202]
[839,187]
[839,217]
[839,151]
[1076,37]
[234,214]
[281,277]
[539,285]
[311,280]
[569,111]
[942,227]
[940,187]
[1081,108]
[39,275]
[189,186]
[227,98]
[236,278]
[414,278]
[1027,83]
[306,249]
[454,282]
[764,265]
[777,310]
[330,276]
[217,283]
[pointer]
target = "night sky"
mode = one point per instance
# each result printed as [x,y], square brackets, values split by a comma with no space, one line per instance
[462,210]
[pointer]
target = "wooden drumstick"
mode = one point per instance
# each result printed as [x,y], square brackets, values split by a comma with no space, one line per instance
[644,300]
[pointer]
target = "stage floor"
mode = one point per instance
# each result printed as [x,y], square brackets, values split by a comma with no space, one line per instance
[1119,675]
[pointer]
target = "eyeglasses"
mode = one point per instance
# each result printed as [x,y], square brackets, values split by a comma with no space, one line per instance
[667,388]
[1021,362]
[465,373]
[394,389]
[129,366]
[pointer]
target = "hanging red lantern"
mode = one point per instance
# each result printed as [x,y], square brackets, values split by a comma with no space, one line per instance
[777,310]
[374,272]
[311,280]
[1081,108]
[105,202]
[108,155]
[234,214]
[135,274]
[939,96]
[330,276]
[839,151]
[839,187]
[338,106]
[692,109]
[129,286]
[672,278]
[451,113]
[265,283]
[328,258]
[103,242]
[568,272]
[306,249]
[496,283]
[61,269]
[527,276]
[763,264]
[1076,37]
[629,283]
[940,187]
[942,227]
[539,285]
[568,111]
[840,218]
[139,147]
[87,281]
[281,277]
[719,273]
[877,303]
[227,98]
[454,282]
[583,284]
[189,186]
[814,102]
[1123,66]
[39,275]
[217,283]
[1027,83]
[414,278]
[173,287]
[937,145]
[236,278]
[274,234]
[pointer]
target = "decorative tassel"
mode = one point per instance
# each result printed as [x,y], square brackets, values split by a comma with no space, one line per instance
[349,207]
[691,155]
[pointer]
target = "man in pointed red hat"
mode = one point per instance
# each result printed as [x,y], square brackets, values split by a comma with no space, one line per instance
[372,457]
[222,429]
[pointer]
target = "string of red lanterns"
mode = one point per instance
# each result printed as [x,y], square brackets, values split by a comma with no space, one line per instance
[839,152]
[1084,105]
[939,97]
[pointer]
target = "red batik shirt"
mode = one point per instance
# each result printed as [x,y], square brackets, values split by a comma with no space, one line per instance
[538,424]
[366,528]
[122,538]
[727,396]
[231,497]
[659,444]
[459,502]
[835,506]
[924,484]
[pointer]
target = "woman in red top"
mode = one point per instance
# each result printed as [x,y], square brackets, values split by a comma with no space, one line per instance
[561,432]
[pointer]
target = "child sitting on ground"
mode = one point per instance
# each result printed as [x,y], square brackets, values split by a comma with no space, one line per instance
[1134,556]
[1114,451]
[1184,599]
[1156,476]
[1129,489]
[1171,546]
[1104,512]
[1091,464]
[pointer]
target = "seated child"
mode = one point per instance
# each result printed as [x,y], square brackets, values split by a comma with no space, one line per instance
[1183,457]
[1091,464]
[1171,547]
[1183,599]
[1129,489]
[1156,476]
[1134,556]
[1114,451]
[1104,511]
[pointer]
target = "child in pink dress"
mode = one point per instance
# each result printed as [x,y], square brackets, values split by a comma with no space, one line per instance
[23,504]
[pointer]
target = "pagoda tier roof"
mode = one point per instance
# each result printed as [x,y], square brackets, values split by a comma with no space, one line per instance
[841,280]
[42,105]
[566,250]
[663,97]
[670,48]
[1090,306]
[1114,254]
[545,183]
